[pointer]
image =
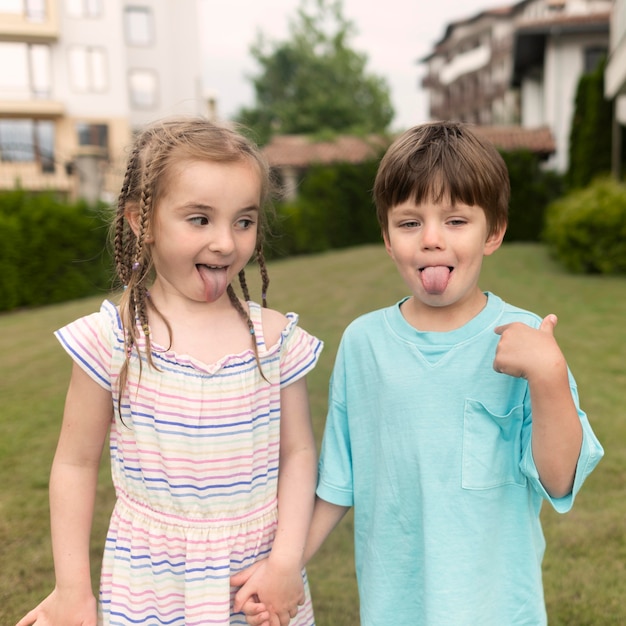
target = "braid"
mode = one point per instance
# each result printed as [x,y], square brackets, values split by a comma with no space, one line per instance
[244,285]
[265,278]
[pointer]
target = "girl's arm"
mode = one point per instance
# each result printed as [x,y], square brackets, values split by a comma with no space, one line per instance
[277,582]
[73,481]
[556,430]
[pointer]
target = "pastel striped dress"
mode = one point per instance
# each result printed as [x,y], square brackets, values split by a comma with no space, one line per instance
[194,461]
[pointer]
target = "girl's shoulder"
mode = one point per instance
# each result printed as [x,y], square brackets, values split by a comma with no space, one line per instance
[274,323]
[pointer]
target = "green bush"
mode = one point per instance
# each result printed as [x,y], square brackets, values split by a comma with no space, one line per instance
[334,209]
[586,230]
[532,189]
[51,251]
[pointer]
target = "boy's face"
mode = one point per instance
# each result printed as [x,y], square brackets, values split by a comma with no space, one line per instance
[438,250]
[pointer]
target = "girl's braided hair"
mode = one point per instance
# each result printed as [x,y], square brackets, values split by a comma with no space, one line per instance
[156,149]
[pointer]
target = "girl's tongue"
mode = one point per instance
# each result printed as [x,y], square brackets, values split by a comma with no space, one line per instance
[215,282]
[435,279]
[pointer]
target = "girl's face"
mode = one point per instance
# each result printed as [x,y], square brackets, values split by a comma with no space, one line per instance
[438,249]
[205,228]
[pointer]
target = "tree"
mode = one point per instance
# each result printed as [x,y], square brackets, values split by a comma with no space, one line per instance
[314,83]
[590,136]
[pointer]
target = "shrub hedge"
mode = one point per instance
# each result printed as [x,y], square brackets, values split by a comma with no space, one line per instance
[50,251]
[586,229]
[334,207]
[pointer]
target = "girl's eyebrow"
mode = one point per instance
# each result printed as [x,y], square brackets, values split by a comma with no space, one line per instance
[198,206]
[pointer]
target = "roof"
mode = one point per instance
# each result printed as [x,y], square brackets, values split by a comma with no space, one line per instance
[301,151]
[539,140]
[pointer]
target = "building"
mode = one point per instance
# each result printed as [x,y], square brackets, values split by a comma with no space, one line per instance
[615,81]
[77,76]
[519,65]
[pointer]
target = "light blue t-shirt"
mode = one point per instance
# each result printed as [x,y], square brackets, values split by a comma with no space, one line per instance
[432,448]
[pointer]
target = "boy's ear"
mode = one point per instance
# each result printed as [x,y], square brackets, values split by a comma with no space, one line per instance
[494,241]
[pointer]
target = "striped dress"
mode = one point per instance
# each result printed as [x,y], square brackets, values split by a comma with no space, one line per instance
[194,460]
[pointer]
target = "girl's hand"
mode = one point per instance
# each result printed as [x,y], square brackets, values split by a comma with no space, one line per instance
[56,610]
[270,595]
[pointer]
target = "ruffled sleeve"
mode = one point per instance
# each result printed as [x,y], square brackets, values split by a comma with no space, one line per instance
[94,342]
[299,351]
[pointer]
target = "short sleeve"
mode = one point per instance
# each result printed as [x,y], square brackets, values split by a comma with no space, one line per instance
[299,352]
[335,477]
[92,340]
[591,452]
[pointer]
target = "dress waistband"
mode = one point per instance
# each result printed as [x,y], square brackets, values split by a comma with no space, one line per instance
[175,519]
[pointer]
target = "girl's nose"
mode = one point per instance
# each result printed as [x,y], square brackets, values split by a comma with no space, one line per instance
[221,240]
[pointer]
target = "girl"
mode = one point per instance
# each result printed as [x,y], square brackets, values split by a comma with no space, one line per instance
[203,394]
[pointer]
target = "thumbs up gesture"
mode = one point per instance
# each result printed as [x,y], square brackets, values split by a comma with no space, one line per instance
[526,352]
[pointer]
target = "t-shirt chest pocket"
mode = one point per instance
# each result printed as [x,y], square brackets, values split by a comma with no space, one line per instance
[492,447]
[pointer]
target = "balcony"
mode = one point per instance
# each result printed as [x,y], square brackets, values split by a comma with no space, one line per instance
[32,22]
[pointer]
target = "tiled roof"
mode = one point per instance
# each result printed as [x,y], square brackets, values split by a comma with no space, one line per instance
[566,21]
[302,151]
[539,140]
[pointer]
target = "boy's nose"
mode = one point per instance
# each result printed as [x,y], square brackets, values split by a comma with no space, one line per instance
[432,236]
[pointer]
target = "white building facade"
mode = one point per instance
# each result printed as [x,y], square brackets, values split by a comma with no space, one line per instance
[615,80]
[78,76]
[528,59]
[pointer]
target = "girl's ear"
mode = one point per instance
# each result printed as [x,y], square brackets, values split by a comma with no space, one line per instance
[131,213]
[494,241]
[132,217]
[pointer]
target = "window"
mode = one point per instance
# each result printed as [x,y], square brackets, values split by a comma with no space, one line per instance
[88,70]
[143,86]
[83,8]
[93,135]
[593,56]
[25,140]
[33,10]
[24,70]
[138,26]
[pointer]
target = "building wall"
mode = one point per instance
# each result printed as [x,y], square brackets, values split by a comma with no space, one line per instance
[73,89]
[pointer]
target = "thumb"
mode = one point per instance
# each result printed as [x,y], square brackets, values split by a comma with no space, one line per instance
[241,578]
[548,323]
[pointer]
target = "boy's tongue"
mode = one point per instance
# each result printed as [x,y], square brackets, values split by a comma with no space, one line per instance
[435,279]
[215,282]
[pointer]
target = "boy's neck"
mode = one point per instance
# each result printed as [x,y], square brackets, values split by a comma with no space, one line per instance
[445,318]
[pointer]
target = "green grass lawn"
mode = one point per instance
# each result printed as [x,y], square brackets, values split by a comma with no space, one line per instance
[585,563]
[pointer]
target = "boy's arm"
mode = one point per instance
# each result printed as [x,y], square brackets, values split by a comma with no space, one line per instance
[277,582]
[73,481]
[534,354]
[325,517]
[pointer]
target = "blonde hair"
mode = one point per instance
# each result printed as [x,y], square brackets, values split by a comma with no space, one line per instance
[155,152]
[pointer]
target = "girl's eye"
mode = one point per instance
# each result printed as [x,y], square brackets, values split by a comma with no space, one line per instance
[245,223]
[199,220]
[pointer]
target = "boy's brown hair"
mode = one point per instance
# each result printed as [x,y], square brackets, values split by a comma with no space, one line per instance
[443,161]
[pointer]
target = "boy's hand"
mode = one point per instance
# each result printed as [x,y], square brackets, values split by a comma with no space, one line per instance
[269,596]
[526,352]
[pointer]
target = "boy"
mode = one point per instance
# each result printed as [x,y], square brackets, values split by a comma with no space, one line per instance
[452,415]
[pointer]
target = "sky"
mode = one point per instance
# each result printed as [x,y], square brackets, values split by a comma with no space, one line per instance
[393,34]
